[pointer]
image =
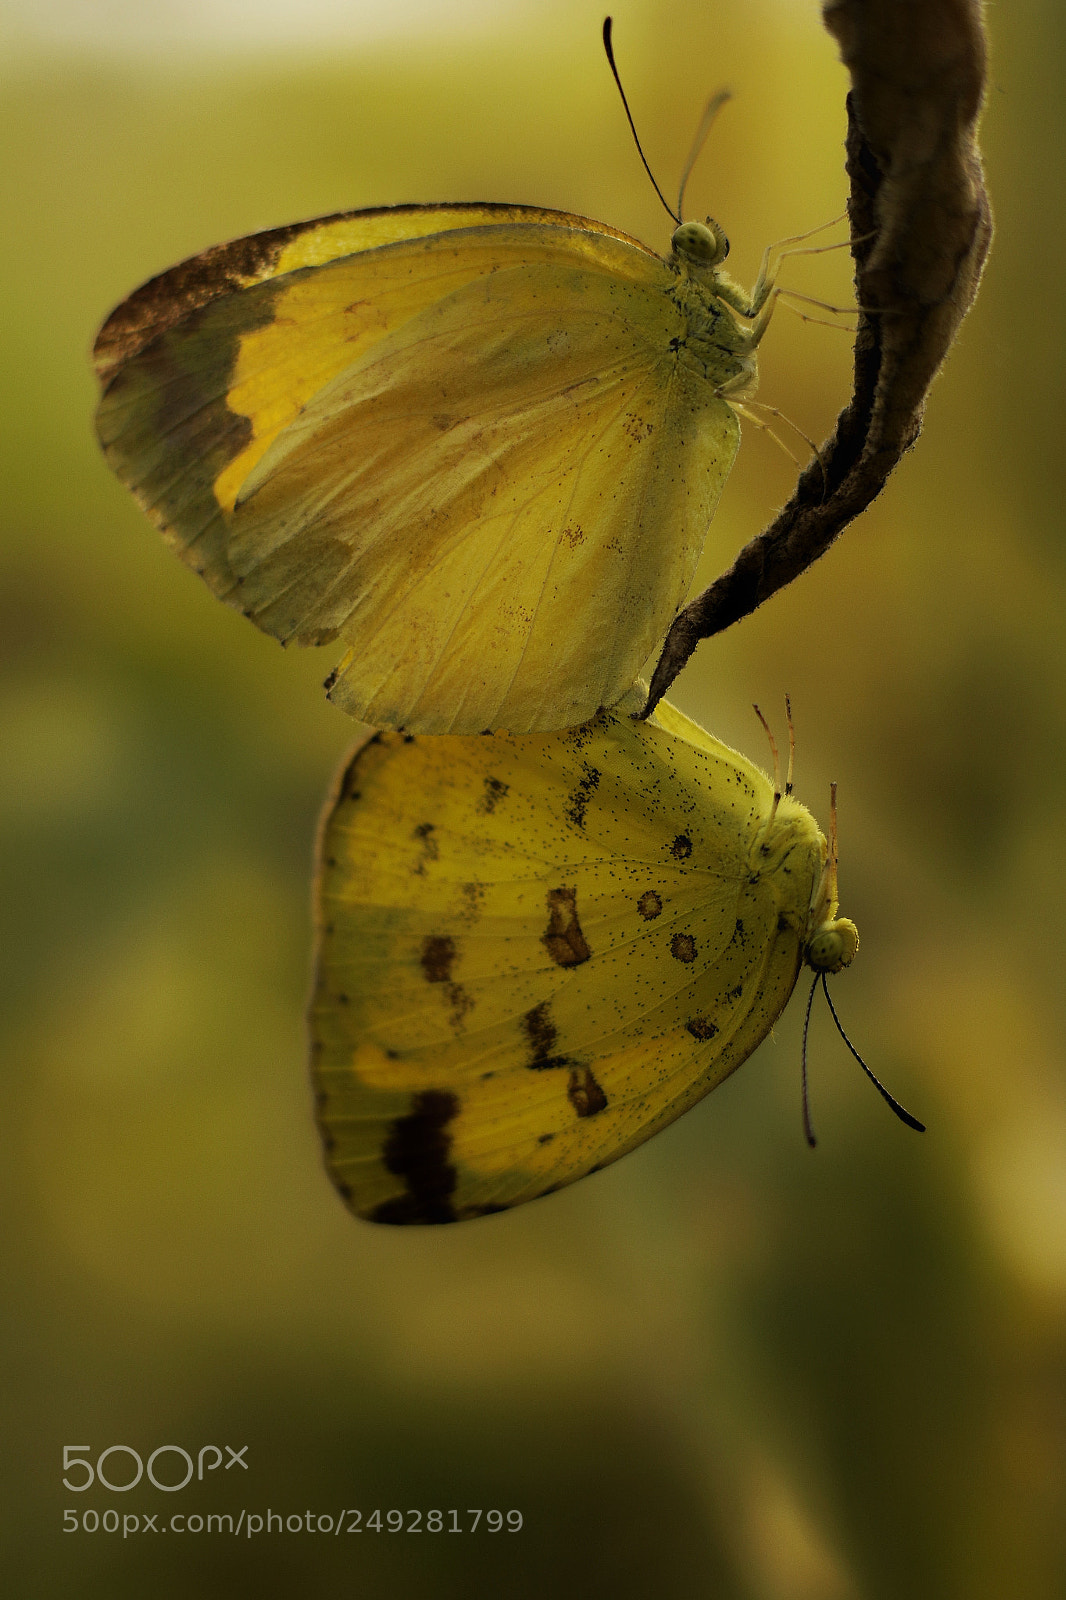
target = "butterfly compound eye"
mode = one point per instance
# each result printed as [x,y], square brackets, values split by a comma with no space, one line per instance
[833,946]
[704,244]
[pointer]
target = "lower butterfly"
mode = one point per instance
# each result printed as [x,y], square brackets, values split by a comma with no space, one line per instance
[534,952]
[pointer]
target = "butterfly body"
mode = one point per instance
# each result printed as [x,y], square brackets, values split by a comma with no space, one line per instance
[479,446]
[536,952]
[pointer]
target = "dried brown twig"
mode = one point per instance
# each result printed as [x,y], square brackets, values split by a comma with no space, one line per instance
[922,224]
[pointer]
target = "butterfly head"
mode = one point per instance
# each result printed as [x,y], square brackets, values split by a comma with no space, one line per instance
[700,244]
[832,945]
[831,941]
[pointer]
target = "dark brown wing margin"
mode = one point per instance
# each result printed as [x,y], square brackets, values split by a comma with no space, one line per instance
[168,298]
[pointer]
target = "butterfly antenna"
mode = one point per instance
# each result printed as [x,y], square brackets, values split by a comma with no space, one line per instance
[710,111]
[808,1127]
[791,745]
[903,1115]
[608,47]
[777,769]
[833,857]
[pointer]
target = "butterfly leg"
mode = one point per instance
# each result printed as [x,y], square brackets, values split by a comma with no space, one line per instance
[760,304]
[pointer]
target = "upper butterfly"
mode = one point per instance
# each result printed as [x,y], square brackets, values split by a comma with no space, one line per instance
[479,445]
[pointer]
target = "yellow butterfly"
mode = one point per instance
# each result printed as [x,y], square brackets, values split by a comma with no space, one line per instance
[535,952]
[478,445]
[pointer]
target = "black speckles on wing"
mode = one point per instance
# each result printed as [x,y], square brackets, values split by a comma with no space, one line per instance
[578,801]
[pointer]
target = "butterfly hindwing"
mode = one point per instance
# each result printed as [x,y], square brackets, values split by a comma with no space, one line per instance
[535,952]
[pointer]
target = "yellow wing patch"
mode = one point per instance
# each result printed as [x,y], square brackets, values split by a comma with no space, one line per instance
[479,446]
[535,952]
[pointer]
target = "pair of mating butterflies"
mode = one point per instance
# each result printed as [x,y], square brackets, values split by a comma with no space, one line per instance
[479,447]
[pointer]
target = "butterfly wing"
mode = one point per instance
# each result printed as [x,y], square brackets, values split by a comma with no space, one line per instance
[227,269]
[536,952]
[474,456]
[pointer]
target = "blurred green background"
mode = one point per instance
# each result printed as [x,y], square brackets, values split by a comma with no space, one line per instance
[726,1367]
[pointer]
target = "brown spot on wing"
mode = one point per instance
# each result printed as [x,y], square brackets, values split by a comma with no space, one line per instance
[540,1030]
[564,940]
[417,1150]
[437,956]
[438,953]
[494,791]
[582,1090]
[649,905]
[683,947]
[584,1093]
[430,848]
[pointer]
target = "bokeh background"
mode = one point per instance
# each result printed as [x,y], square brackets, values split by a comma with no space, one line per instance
[726,1367]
